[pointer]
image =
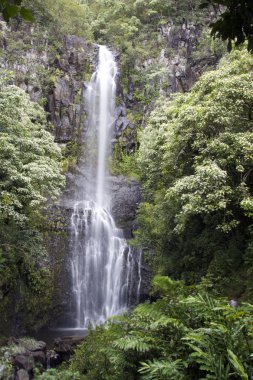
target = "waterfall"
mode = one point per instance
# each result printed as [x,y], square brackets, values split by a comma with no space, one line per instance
[102,263]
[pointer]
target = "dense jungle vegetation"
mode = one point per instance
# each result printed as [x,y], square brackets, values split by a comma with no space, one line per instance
[123,25]
[195,162]
[193,155]
[30,177]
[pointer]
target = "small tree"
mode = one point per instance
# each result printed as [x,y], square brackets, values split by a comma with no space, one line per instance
[30,170]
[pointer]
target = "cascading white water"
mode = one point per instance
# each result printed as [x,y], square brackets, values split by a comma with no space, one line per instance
[102,263]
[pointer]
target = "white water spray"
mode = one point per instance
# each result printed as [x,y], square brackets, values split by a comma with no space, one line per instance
[102,263]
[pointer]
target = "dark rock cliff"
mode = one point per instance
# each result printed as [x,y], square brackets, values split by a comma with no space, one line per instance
[185,52]
[66,98]
[183,55]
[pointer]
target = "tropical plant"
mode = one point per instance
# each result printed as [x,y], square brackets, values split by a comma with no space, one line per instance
[30,179]
[14,8]
[54,374]
[195,161]
[30,160]
[185,334]
[234,22]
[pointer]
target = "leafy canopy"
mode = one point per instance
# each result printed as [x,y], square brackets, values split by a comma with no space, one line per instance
[196,161]
[30,170]
[14,8]
[199,146]
[235,23]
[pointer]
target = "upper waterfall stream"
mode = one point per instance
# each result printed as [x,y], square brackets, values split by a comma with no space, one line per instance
[102,263]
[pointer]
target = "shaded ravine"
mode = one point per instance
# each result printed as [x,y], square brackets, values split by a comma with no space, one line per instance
[102,263]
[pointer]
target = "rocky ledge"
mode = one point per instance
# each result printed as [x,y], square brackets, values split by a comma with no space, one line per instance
[21,357]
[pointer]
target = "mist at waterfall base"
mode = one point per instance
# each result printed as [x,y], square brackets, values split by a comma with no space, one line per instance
[102,263]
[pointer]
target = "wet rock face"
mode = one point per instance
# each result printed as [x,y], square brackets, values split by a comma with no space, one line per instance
[65,347]
[24,361]
[66,100]
[126,195]
[22,374]
[125,200]
[141,280]
[55,77]
[57,242]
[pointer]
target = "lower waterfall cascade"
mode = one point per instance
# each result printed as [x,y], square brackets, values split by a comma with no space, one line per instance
[102,263]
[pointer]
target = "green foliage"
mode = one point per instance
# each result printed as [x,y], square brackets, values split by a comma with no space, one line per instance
[135,342]
[186,334]
[162,370]
[26,278]
[234,23]
[56,374]
[30,178]
[30,171]
[124,163]
[61,17]
[14,8]
[133,28]
[195,162]
[37,296]
[71,153]
[239,369]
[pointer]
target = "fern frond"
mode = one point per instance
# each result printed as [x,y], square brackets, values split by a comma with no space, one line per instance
[115,357]
[163,370]
[200,300]
[236,363]
[149,311]
[137,343]
[198,353]
[165,321]
[218,327]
